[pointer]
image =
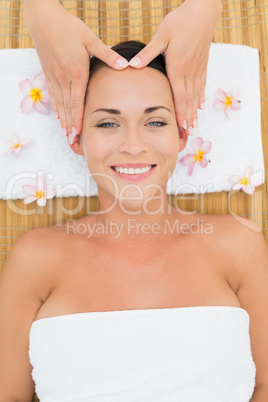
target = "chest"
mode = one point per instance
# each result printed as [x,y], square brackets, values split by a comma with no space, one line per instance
[104,279]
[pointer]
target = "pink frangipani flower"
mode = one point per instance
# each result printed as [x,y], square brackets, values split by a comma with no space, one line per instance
[225,100]
[40,192]
[15,145]
[200,148]
[248,182]
[36,95]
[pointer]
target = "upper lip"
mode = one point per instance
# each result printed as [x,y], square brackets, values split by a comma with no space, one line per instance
[133,165]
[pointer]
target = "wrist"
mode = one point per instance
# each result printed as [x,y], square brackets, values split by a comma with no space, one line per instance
[215,5]
[36,9]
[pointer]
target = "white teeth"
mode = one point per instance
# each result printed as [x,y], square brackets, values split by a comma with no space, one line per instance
[133,171]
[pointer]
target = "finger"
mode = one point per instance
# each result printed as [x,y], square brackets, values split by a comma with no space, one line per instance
[148,53]
[66,90]
[60,106]
[107,55]
[179,92]
[52,98]
[203,81]
[189,86]
[196,94]
[78,90]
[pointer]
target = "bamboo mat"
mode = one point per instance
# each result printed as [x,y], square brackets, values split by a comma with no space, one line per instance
[241,22]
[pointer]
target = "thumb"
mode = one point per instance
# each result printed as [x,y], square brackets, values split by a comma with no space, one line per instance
[148,53]
[108,56]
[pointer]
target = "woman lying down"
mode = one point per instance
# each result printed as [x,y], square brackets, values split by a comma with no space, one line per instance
[138,312]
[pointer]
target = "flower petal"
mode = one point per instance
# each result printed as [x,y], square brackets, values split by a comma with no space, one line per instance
[29,189]
[8,143]
[248,189]
[26,141]
[204,162]
[40,81]
[17,150]
[45,97]
[218,105]
[235,105]
[234,179]
[191,168]
[41,183]
[256,179]
[25,86]
[14,138]
[42,201]
[226,113]
[206,146]
[248,171]
[39,107]
[221,95]
[188,159]
[197,144]
[237,186]
[28,199]
[234,93]
[26,104]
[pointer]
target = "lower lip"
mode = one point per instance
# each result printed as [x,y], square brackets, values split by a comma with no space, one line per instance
[133,177]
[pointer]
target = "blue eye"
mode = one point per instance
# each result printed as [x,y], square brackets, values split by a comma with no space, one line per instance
[157,123]
[106,124]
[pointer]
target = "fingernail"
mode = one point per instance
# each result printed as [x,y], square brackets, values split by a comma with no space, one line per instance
[190,129]
[184,125]
[56,115]
[74,131]
[203,106]
[195,123]
[71,140]
[135,62]
[122,62]
[64,131]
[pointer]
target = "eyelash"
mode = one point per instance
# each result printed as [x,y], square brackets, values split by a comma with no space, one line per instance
[102,125]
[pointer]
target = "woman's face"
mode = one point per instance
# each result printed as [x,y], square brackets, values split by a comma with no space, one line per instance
[129,121]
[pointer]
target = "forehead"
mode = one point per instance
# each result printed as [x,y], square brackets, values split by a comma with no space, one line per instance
[127,87]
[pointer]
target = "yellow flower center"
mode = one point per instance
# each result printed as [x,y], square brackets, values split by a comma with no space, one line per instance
[199,156]
[40,194]
[244,181]
[16,145]
[228,101]
[35,94]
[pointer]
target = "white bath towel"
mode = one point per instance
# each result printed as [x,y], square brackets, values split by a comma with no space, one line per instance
[185,354]
[236,143]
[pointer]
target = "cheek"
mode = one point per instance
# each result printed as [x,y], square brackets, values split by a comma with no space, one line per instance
[168,146]
[96,150]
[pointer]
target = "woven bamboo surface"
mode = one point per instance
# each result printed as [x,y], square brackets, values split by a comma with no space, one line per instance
[241,22]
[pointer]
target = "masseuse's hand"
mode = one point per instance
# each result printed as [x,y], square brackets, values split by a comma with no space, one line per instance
[184,37]
[64,45]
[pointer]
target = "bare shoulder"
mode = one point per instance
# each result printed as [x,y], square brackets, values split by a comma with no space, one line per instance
[233,241]
[246,239]
[230,230]
[250,259]
[25,282]
[34,255]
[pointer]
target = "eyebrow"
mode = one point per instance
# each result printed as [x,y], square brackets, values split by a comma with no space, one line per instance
[146,111]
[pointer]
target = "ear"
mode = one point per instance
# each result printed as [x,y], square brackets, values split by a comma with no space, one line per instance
[183,138]
[77,145]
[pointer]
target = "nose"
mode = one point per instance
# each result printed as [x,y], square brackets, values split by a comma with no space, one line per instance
[133,141]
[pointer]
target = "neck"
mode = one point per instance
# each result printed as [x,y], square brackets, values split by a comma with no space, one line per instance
[136,223]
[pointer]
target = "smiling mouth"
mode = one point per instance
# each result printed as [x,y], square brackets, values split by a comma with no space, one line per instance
[132,171]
